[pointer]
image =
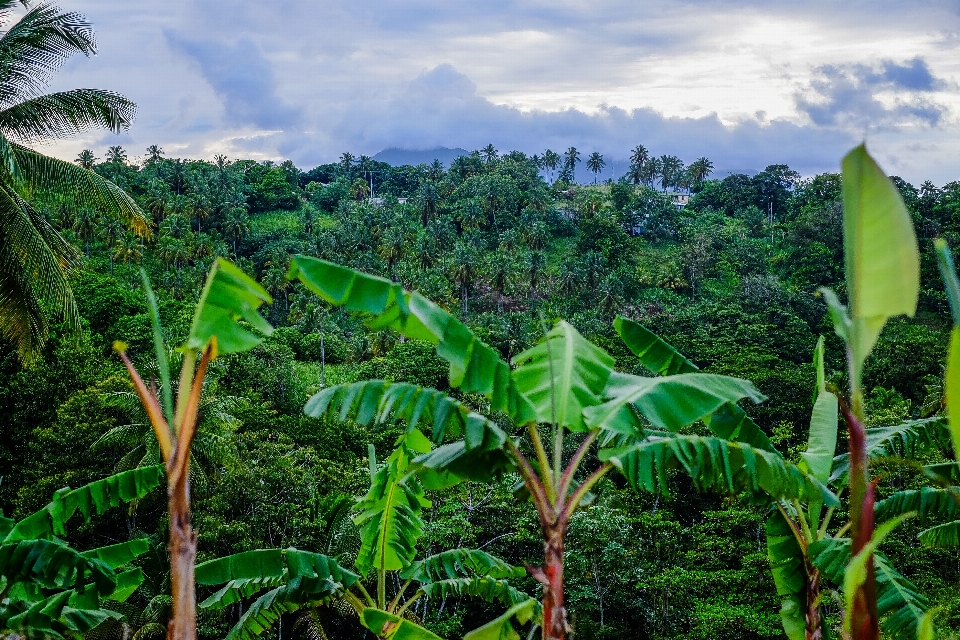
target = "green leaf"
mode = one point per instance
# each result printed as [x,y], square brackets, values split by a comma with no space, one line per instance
[669,403]
[900,605]
[89,499]
[904,440]
[951,283]
[817,460]
[460,563]
[654,353]
[228,296]
[880,252]
[238,590]
[390,627]
[127,583]
[562,375]
[474,366]
[502,628]
[927,502]
[389,518]
[160,348]
[714,464]
[730,422]
[944,536]
[456,461]
[51,565]
[299,593]
[952,384]
[484,587]
[260,563]
[117,555]
[787,564]
[377,401]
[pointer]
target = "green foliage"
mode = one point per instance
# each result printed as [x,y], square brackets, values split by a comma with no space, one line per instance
[714,464]
[228,296]
[53,590]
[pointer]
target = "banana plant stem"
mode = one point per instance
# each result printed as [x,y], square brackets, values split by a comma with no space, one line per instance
[534,430]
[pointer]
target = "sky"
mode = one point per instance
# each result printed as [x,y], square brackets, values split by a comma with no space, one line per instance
[746,84]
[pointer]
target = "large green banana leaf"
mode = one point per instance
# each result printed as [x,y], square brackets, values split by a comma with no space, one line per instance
[474,366]
[714,464]
[562,376]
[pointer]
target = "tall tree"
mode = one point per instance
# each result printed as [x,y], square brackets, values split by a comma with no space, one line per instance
[595,163]
[570,160]
[154,154]
[346,163]
[639,155]
[700,169]
[551,160]
[489,153]
[86,159]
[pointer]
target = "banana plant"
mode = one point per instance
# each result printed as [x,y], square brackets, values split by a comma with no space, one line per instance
[564,387]
[50,590]
[882,270]
[390,524]
[228,296]
[942,500]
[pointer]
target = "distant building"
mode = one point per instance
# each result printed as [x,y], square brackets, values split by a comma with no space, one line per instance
[379,201]
[679,198]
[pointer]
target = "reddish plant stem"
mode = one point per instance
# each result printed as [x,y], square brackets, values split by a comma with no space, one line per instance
[864,622]
[814,622]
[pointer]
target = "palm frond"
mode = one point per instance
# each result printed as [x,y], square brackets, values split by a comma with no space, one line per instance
[35,47]
[34,264]
[76,186]
[57,115]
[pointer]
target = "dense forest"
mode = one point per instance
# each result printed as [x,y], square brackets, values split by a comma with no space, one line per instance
[729,275]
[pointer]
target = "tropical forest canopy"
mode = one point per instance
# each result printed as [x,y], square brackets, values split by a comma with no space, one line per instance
[507,244]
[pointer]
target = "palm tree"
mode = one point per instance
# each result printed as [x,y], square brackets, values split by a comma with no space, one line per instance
[489,153]
[154,154]
[463,270]
[117,155]
[346,163]
[671,168]
[700,169]
[570,160]
[84,224]
[86,159]
[551,160]
[636,173]
[651,170]
[36,259]
[639,155]
[128,247]
[595,163]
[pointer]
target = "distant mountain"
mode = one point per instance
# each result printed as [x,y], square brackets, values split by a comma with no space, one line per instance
[398,157]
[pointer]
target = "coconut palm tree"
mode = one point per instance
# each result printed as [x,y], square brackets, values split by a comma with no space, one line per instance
[595,163]
[489,153]
[570,160]
[36,259]
[551,160]
[700,169]
[86,159]
[639,155]
[154,154]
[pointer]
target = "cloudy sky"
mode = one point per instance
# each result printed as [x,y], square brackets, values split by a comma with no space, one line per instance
[746,84]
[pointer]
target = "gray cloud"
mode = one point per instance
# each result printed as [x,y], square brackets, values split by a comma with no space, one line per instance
[848,94]
[243,79]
